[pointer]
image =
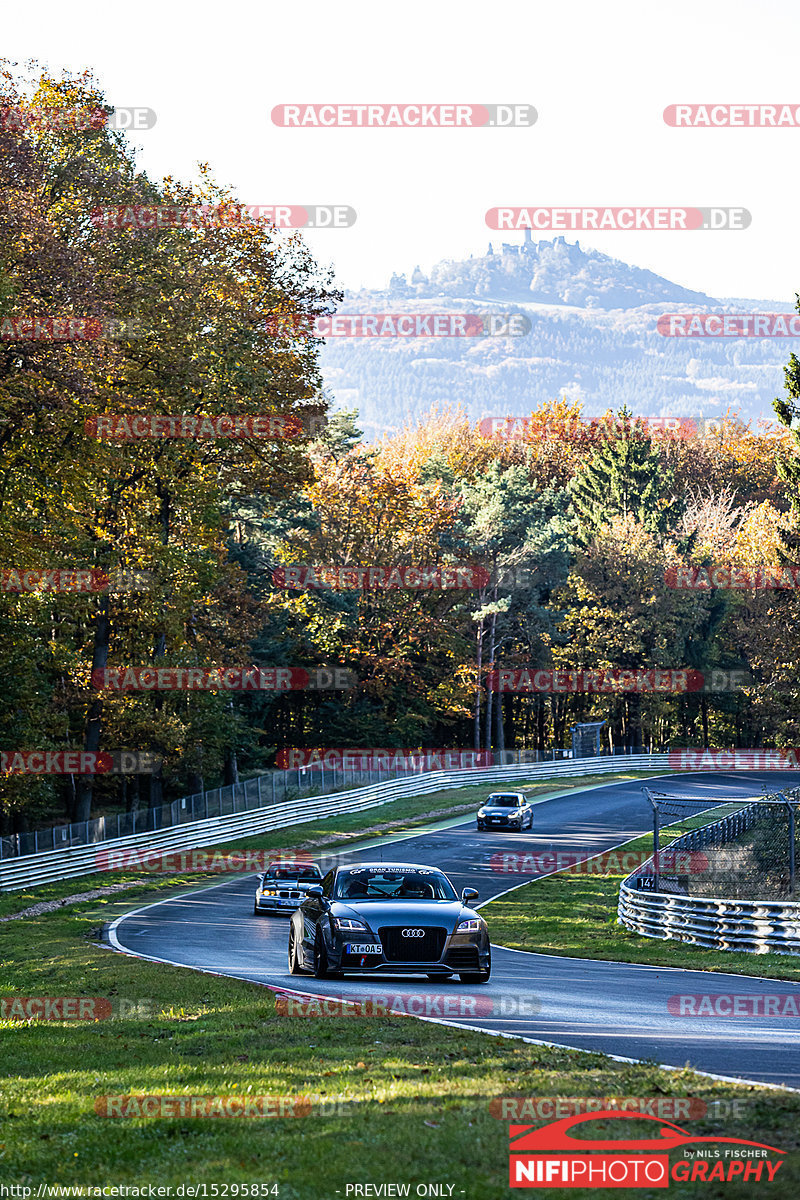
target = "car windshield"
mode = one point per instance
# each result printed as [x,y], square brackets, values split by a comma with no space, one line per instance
[386,883]
[502,802]
[305,873]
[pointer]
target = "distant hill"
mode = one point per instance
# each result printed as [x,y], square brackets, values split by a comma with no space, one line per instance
[593,336]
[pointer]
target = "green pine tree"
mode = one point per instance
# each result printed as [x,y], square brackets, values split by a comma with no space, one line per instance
[788,466]
[626,478]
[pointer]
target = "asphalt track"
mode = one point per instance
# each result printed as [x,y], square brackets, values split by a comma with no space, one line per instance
[617,1008]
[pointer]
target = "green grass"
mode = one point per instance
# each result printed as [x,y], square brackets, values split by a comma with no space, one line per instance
[409,1101]
[576,915]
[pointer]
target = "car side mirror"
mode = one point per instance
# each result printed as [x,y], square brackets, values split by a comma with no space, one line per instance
[469,894]
[316,890]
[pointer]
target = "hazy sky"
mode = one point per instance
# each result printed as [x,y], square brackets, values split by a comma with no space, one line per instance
[599,75]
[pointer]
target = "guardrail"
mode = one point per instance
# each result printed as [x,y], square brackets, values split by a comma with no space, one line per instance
[269,787]
[712,922]
[71,862]
[762,927]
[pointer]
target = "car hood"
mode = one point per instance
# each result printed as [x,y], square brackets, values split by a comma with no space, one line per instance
[294,885]
[405,912]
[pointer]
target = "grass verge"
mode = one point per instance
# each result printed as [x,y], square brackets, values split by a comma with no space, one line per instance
[575,914]
[402,1101]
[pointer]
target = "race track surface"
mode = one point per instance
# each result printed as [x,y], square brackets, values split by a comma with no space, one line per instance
[617,1008]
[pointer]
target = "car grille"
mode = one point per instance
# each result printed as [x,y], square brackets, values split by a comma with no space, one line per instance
[418,949]
[463,958]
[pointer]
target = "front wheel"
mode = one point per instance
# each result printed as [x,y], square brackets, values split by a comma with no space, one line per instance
[294,961]
[321,968]
[477,976]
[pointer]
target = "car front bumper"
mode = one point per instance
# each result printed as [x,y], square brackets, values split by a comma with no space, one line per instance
[462,952]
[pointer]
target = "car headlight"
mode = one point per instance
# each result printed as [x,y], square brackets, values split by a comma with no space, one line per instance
[345,923]
[481,812]
[267,892]
[516,816]
[471,925]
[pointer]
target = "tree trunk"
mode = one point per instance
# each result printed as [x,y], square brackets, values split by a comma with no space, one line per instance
[231,769]
[132,795]
[491,697]
[155,797]
[478,686]
[102,637]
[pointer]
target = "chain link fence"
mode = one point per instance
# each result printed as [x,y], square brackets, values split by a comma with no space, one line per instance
[272,787]
[737,850]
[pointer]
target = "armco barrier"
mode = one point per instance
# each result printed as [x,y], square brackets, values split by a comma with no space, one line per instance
[762,927]
[71,862]
[268,787]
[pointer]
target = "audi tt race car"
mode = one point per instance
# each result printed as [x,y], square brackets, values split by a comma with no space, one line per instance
[505,810]
[283,886]
[370,918]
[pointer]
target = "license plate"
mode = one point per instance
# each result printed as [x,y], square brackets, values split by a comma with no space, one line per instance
[363,948]
[293,903]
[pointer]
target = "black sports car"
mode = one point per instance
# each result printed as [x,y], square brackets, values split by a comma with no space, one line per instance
[283,886]
[390,918]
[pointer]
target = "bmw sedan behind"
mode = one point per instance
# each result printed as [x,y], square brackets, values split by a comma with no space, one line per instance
[283,886]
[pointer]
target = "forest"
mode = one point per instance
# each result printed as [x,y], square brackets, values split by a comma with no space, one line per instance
[249,594]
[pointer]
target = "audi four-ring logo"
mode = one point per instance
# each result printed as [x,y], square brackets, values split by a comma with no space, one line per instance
[413,933]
